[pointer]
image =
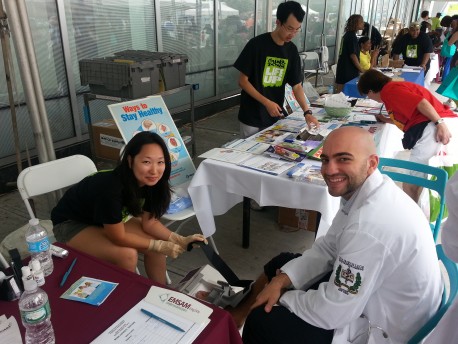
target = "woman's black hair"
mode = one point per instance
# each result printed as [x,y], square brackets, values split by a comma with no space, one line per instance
[159,195]
[290,7]
[352,23]
[362,40]
[372,80]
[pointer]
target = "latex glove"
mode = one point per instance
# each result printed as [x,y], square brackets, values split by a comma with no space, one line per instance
[185,241]
[167,248]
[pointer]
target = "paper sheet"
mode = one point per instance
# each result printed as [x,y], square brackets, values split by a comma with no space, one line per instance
[135,327]
[9,330]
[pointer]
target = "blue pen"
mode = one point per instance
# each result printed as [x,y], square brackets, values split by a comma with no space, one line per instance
[154,316]
[64,279]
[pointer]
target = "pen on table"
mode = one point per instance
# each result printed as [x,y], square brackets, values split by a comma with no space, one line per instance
[154,316]
[67,273]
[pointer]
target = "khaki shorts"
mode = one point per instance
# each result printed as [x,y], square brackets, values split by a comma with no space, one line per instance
[66,230]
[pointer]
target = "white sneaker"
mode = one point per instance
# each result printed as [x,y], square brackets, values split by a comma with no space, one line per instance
[450,103]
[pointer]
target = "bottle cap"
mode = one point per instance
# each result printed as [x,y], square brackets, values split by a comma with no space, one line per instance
[36,265]
[34,222]
[25,272]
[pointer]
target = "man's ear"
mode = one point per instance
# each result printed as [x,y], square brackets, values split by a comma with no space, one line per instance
[372,163]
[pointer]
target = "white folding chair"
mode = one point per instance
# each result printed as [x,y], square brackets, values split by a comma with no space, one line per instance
[314,65]
[42,179]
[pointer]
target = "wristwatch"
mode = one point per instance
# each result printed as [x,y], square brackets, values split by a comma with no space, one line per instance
[308,112]
[439,121]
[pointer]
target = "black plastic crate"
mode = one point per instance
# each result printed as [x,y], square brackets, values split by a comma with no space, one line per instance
[173,66]
[118,77]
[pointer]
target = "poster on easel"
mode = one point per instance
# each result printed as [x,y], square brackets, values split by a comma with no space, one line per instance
[151,114]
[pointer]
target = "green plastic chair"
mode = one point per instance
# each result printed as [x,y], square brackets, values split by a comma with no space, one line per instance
[436,183]
[452,271]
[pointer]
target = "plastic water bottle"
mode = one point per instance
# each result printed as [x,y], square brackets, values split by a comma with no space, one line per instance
[36,314]
[39,246]
[330,89]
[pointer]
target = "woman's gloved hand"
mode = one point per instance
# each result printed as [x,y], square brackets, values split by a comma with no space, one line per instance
[183,242]
[167,248]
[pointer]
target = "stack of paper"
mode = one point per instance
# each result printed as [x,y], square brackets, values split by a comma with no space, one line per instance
[9,330]
[163,317]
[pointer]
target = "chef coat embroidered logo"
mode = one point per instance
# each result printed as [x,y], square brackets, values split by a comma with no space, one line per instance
[347,281]
[274,72]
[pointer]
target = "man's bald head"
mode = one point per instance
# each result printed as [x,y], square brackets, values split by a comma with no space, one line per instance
[348,158]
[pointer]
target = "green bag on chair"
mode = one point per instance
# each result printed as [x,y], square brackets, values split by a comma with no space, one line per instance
[449,163]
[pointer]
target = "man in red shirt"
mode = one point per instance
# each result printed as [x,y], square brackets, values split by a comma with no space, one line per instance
[427,123]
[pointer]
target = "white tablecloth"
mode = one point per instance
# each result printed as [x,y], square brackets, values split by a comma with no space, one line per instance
[218,186]
[433,70]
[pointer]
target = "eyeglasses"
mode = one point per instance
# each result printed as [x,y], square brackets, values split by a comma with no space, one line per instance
[291,29]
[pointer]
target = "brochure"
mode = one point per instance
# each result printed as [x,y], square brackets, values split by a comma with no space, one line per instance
[302,172]
[271,136]
[227,155]
[316,153]
[290,103]
[267,164]
[280,152]
[247,146]
[89,290]
[290,125]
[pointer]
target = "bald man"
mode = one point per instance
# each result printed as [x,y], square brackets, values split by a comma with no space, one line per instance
[375,273]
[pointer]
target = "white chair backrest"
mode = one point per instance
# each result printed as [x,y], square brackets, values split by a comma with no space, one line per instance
[334,70]
[53,175]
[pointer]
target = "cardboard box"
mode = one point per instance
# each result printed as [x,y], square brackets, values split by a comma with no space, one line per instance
[396,63]
[107,139]
[297,218]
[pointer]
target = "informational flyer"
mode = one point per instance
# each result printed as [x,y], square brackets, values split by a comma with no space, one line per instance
[151,114]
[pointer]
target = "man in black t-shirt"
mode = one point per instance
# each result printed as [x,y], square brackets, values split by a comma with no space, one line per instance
[415,47]
[266,64]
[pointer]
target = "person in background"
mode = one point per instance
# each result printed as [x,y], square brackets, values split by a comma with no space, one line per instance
[427,123]
[366,279]
[376,37]
[435,22]
[266,64]
[446,330]
[114,215]
[348,66]
[451,62]
[415,47]
[397,39]
[446,23]
[367,58]
[425,23]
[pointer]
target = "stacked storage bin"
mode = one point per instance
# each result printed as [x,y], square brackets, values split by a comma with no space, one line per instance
[134,73]
[123,78]
[172,70]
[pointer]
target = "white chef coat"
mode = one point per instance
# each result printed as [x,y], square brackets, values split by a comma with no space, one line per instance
[384,263]
[446,330]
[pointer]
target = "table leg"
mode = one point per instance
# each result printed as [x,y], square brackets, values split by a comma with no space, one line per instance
[246,223]
[318,219]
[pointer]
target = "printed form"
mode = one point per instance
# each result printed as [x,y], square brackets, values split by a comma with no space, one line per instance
[136,327]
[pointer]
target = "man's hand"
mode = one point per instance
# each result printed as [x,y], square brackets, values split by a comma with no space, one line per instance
[443,135]
[272,292]
[183,242]
[312,121]
[273,109]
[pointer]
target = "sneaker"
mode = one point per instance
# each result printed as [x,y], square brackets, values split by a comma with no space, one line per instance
[450,103]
